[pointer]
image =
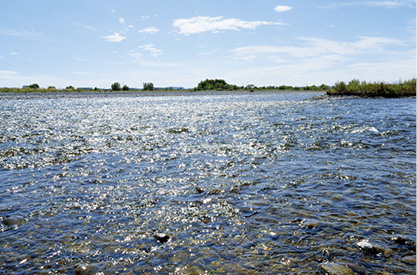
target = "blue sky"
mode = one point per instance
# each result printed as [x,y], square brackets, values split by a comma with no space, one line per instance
[94,43]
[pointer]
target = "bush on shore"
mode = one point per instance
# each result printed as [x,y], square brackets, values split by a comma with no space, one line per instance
[375,89]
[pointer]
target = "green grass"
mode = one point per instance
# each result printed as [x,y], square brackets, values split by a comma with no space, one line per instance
[374,89]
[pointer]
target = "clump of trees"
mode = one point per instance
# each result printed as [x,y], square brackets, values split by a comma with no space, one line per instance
[34,86]
[221,85]
[148,86]
[117,87]
[374,89]
[215,84]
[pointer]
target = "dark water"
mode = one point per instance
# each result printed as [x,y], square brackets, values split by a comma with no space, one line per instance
[237,184]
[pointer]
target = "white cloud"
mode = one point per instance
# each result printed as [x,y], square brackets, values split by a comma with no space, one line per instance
[116,37]
[150,30]
[14,53]
[122,21]
[151,49]
[201,24]
[282,8]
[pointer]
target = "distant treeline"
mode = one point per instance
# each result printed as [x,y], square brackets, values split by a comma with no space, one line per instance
[374,89]
[353,88]
[221,85]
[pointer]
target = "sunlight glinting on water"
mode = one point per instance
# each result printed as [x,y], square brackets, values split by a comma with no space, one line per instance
[225,184]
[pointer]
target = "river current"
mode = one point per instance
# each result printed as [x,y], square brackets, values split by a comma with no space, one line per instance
[261,183]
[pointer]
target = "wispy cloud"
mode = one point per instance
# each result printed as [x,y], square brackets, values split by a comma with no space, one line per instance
[4,74]
[27,34]
[80,59]
[140,59]
[151,49]
[280,9]
[116,37]
[382,4]
[84,26]
[150,30]
[201,24]
[122,21]
[313,47]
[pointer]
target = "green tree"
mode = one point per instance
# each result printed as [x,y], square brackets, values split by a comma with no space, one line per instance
[34,86]
[115,86]
[148,86]
[125,88]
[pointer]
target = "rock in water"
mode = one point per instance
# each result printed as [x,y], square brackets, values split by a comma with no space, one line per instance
[336,269]
[13,221]
[369,248]
[83,269]
[161,237]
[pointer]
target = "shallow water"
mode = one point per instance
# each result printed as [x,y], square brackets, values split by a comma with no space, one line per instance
[236,184]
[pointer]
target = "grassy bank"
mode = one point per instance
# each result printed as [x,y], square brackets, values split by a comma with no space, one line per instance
[374,89]
[44,90]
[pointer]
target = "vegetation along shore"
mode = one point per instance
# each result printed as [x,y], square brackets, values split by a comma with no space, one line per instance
[374,89]
[352,88]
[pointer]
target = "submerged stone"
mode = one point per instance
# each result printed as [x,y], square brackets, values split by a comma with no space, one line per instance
[336,269]
[409,259]
[161,237]
[84,269]
[13,221]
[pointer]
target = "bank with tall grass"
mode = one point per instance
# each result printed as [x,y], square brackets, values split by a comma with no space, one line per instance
[374,89]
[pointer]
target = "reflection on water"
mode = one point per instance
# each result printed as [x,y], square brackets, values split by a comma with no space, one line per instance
[237,184]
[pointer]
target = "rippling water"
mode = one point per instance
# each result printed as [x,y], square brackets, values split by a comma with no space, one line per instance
[237,184]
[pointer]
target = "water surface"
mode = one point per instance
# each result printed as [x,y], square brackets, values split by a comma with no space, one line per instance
[234,183]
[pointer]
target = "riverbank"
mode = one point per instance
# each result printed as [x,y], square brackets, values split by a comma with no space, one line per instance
[374,89]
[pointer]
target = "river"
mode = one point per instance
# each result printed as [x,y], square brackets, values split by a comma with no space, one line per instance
[260,183]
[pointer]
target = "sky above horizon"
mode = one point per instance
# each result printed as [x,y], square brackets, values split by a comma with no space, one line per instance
[95,43]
